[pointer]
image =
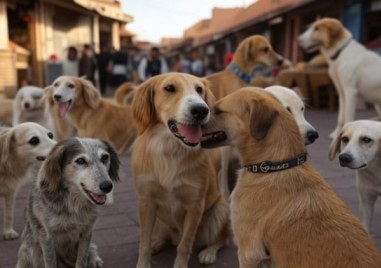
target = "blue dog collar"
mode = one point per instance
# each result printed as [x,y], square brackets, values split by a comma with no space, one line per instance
[241,74]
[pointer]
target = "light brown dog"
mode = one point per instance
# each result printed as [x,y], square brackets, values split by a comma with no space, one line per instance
[125,93]
[253,50]
[283,212]
[179,201]
[92,115]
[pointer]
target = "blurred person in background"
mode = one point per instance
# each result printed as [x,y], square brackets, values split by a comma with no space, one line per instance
[87,63]
[103,60]
[152,65]
[197,65]
[70,65]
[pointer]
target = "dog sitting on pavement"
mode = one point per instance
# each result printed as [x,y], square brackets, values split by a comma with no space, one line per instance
[73,184]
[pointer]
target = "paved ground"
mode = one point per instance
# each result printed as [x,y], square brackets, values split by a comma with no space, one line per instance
[117,232]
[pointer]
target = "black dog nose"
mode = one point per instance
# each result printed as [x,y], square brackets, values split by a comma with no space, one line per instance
[199,112]
[106,186]
[26,105]
[280,62]
[312,135]
[345,159]
[57,97]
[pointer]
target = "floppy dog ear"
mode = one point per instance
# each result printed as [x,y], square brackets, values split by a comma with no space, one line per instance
[50,174]
[143,106]
[262,117]
[209,96]
[91,95]
[334,147]
[113,171]
[247,47]
[6,140]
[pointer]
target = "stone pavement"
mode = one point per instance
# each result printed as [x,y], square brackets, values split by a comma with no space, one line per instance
[116,232]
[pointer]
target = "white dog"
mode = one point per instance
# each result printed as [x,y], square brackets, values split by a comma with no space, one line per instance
[359,146]
[20,147]
[353,69]
[28,106]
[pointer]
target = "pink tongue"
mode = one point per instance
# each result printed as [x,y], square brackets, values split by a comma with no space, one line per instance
[99,198]
[192,133]
[63,107]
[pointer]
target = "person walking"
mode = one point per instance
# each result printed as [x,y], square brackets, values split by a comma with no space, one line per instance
[103,60]
[87,64]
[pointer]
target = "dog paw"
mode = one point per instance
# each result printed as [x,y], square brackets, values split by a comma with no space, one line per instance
[11,235]
[207,256]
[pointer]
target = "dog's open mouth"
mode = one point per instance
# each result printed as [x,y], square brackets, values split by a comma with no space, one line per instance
[213,139]
[189,134]
[64,107]
[98,199]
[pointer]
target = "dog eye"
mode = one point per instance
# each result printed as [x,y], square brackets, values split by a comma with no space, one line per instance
[199,90]
[302,109]
[34,141]
[265,49]
[316,28]
[170,88]
[70,86]
[104,158]
[289,109]
[50,135]
[344,139]
[81,161]
[366,140]
[55,84]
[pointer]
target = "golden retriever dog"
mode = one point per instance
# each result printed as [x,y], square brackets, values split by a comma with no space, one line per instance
[6,111]
[251,51]
[283,213]
[125,93]
[92,115]
[20,147]
[179,201]
[73,185]
[353,68]
[358,145]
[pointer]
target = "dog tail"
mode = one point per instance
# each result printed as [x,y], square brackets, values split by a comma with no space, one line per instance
[125,93]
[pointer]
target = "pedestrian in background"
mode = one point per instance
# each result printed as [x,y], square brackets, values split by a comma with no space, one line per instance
[119,68]
[152,65]
[103,60]
[87,63]
[197,65]
[70,64]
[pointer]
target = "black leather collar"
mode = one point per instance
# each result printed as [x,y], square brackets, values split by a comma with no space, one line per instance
[268,166]
[338,52]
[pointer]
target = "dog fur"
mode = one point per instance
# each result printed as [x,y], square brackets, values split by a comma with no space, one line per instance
[125,93]
[358,145]
[28,106]
[355,71]
[72,185]
[20,147]
[294,104]
[92,115]
[251,51]
[179,201]
[288,218]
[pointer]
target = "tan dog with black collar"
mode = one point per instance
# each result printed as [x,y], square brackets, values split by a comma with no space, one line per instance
[291,217]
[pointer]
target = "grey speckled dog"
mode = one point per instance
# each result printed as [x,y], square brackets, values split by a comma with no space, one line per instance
[73,184]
